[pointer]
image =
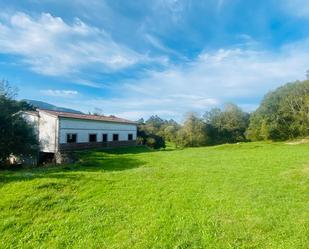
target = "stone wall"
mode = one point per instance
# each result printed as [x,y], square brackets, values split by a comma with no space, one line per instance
[81,146]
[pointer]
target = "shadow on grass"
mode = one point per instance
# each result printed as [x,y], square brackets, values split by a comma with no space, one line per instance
[96,161]
[119,151]
[89,161]
[127,150]
[134,150]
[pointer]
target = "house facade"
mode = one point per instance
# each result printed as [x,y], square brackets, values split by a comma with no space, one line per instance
[62,131]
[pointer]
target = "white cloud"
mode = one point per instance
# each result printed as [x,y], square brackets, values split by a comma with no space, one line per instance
[297,7]
[60,93]
[173,8]
[238,75]
[242,76]
[228,73]
[54,47]
[220,4]
[51,46]
[156,43]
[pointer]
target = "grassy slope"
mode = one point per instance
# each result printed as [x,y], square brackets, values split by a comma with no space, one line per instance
[232,196]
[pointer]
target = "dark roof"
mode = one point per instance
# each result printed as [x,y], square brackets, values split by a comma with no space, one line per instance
[111,118]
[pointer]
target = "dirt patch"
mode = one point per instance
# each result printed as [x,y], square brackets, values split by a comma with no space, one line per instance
[305,170]
[302,141]
[299,172]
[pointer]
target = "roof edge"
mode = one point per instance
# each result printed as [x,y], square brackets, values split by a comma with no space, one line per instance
[89,117]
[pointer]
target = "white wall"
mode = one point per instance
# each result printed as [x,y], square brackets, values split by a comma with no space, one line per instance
[48,130]
[84,127]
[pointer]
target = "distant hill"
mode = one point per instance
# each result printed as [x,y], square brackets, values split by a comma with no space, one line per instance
[44,105]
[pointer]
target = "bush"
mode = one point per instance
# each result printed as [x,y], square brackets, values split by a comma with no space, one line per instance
[17,137]
[155,142]
[152,141]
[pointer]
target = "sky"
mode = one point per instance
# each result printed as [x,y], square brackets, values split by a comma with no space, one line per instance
[140,58]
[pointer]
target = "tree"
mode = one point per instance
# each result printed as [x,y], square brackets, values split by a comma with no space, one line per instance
[192,133]
[146,137]
[283,114]
[170,132]
[158,130]
[140,121]
[154,124]
[17,137]
[227,125]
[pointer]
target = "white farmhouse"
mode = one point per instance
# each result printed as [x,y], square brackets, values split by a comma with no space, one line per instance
[63,131]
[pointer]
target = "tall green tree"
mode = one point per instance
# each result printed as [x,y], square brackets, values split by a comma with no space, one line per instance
[283,114]
[17,137]
[227,125]
[155,131]
[148,133]
[192,133]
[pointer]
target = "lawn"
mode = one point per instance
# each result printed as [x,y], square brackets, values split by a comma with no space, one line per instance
[253,195]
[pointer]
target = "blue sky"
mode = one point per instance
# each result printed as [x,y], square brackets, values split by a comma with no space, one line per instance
[166,57]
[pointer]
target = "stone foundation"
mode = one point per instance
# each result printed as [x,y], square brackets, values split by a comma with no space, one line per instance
[81,146]
[64,158]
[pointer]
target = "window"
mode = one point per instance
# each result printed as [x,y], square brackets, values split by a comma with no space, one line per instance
[115,137]
[71,138]
[104,138]
[92,138]
[130,137]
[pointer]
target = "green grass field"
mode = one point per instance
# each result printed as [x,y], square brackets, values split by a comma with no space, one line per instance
[253,195]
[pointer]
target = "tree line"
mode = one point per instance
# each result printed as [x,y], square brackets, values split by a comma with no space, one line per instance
[283,114]
[227,125]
